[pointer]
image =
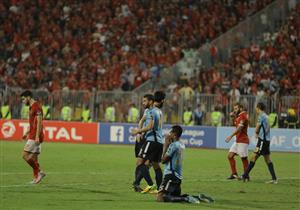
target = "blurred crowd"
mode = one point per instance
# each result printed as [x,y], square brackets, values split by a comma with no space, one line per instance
[119,44]
[269,68]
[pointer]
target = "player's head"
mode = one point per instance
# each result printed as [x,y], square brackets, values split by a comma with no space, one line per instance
[176,131]
[260,107]
[237,108]
[148,100]
[26,96]
[159,98]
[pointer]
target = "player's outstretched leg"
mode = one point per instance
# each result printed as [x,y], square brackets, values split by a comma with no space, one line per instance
[204,198]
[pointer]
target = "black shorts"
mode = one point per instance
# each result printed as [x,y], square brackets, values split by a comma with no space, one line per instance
[170,185]
[152,151]
[138,146]
[262,147]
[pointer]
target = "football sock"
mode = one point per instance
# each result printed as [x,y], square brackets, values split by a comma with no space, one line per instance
[245,163]
[145,173]
[138,176]
[250,166]
[272,172]
[34,166]
[158,177]
[232,165]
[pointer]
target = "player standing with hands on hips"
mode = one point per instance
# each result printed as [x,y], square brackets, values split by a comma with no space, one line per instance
[34,136]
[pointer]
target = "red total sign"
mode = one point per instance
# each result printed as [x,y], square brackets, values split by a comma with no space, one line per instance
[55,131]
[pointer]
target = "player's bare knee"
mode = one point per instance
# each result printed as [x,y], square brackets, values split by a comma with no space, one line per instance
[25,156]
[156,165]
[140,161]
[267,159]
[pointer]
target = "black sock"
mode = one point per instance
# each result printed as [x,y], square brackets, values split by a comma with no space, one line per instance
[250,166]
[145,173]
[138,176]
[158,177]
[272,172]
[170,198]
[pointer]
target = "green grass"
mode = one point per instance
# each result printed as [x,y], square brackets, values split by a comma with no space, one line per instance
[87,177]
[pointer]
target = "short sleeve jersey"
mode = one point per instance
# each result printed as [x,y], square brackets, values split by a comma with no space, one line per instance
[175,152]
[154,114]
[35,110]
[264,129]
[242,120]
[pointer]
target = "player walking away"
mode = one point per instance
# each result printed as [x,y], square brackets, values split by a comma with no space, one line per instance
[170,189]
[151,150]
[240,147]
[148,101]
[262,132]
[34,136]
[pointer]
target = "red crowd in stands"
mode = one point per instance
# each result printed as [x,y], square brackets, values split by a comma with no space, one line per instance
[271,68]
[112,44]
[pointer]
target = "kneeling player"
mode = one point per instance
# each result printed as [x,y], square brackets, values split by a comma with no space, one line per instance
[170,190]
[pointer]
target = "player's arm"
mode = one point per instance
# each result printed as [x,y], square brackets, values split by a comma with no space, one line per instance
[149,127]
[140,125]
[144,129]
[165,155]
[238,130]
[38,128]
[141,122]
[257,127]
[25,136]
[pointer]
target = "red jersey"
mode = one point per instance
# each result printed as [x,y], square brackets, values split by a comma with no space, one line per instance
[242,120]
[34,111]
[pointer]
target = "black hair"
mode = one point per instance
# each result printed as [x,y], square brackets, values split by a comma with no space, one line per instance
[177,129]
[261,106]
[150,97]
[159,96]
[27,93]
[239,105]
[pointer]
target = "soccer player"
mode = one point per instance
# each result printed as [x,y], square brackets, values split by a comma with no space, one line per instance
[151,150]
[170,189]
[240,147]
[148,101]
[262,132]
[34,136]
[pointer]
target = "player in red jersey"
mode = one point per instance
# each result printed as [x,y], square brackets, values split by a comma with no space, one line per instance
[240,147]
[34,136]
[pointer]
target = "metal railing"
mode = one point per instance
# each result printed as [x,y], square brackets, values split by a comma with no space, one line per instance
[173,109]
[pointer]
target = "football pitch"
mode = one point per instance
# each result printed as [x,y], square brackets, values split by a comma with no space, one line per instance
[90,177]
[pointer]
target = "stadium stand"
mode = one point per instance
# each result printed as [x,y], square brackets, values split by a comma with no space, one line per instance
[107,44]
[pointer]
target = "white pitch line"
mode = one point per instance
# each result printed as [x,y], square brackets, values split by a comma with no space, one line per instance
[225,180]
[43,185]
[26,173]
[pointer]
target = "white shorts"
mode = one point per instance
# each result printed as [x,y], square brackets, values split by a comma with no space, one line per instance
[32,147]
[239,148]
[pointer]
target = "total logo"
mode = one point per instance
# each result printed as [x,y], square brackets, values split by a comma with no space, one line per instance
[8,129]
[56,133]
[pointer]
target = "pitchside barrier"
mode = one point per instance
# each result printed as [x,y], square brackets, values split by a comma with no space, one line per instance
[287,140]
[54,131]
[119,133]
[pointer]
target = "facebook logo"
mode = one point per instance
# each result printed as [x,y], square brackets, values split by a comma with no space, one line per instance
[117,134]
